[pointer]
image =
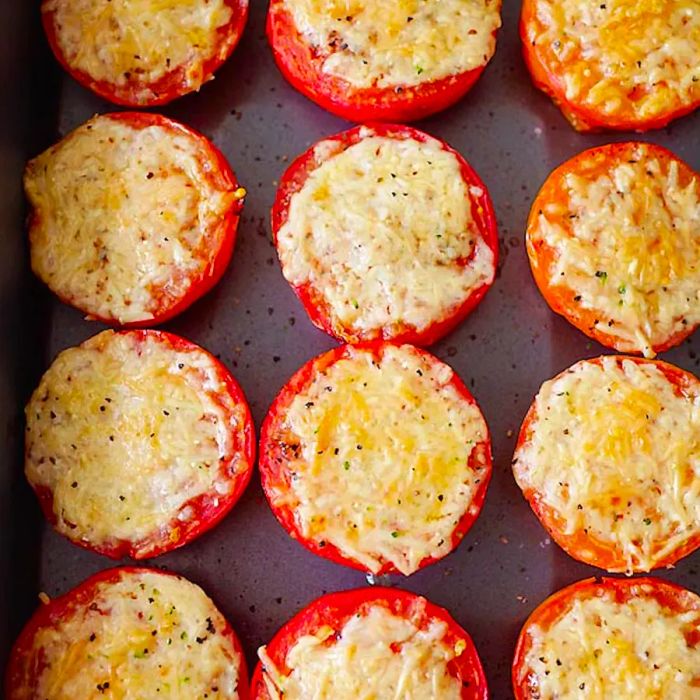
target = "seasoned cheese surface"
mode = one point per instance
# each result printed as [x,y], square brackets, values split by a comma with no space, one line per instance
[378,452]
[124,432]
[122,41]
[146,635]
[389,43]
[125,218]
[614,450]
[635,57]
[383,230]
[627,244]
[375,655]
[602,649]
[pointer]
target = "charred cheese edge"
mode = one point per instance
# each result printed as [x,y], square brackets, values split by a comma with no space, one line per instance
[381,471]
[375,654]
[145,635]
[381,229]
[615,451]
[630,249]
[123,41]
[125,432]
[600,648]
[620,56]
[389,43]
[125,217]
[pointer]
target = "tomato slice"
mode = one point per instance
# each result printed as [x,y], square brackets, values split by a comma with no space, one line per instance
[163,628]
[302,64]
[188,245]
[137,443]
[645,257]
[403,438]
[336,609]
[613,642]
[480,261]
[137,90]
[613,491]
[635,95]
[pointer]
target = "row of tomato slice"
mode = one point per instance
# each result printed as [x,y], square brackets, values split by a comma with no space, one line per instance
[336,609]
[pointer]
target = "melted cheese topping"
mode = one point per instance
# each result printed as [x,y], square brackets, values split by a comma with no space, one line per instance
[388,43]
[379,467]
[125,218]
[126,41]
[632,56]
[146,635]
[602,649]
[630,248]
[125,432]
[615,452]
[383,230]
[376,655]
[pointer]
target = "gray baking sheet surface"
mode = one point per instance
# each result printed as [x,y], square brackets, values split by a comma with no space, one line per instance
[513,136]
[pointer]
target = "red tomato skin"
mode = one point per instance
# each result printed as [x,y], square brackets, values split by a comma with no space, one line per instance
[228,224]
[668,594]
[301,67]
[206,513]
[577,544]
[318,311]
[541,256]
[170,86]
[61,607]
[273,472]
[582,118]
[336,608]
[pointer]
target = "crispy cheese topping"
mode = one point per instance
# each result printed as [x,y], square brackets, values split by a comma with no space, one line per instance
[379,451]
[629,247]
[122,41]
[615,452]
[634,57]
[388,43]
[383,230]
[125,431]
[125,218]
[146,635]
[375,655]
[602,649]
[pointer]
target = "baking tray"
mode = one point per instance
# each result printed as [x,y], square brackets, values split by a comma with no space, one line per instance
[256,573]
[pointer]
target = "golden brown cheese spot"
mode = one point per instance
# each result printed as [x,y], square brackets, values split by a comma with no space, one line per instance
[631,247]
[382,468]
[615,451]
[602,649]
[383,230]
[125,433]
[375,655]
[119,41]
[623,56]
[146,635]
[124,218]
[387,43]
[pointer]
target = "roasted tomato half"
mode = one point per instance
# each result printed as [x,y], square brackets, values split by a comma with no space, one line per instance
[137,442]
[134,217]
[611,638]
[376,456]
[386,233]
[146,52]
[382,643]
[614,245]
[128,633]
[618,64]
[607,457]
[383,60]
